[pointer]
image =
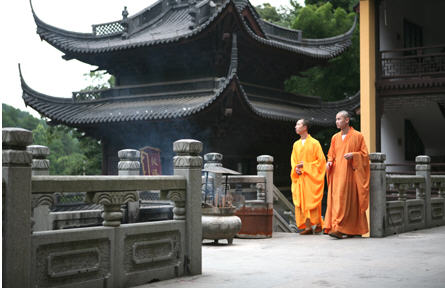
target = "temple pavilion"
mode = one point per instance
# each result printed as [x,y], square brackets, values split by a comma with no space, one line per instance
[211,70]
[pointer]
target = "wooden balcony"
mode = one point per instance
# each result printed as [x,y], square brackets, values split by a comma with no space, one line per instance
[411,71]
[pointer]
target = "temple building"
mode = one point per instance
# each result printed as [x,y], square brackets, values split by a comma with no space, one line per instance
[402,70]
[210,70]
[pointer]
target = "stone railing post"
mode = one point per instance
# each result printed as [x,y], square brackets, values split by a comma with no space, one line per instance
[377,197]
[40,204]
[16,207]
[40,165]
[265,168]
[188,163]
[130,164]
[112,202]
[423,168]
[214,160]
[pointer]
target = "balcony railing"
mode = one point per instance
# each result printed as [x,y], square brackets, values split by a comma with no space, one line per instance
[428,61]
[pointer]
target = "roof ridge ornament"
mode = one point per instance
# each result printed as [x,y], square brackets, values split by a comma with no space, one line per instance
[124,13]
[124,23]
[194,14]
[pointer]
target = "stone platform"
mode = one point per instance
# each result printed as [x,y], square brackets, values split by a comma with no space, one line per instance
[414,259]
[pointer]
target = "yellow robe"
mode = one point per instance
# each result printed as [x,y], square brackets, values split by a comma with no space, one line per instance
[348,185]
[307,188]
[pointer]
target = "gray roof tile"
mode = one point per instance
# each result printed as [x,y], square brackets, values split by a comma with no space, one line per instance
[282,106]
[174,24]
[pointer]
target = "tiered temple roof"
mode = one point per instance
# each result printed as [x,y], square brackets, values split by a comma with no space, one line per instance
[182,99]
[214,63]
[170,21]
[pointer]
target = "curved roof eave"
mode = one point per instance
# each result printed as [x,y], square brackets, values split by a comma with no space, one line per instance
[348,104]
[66,111]
[308,47]
[304,43]
[43,28]
[29,90]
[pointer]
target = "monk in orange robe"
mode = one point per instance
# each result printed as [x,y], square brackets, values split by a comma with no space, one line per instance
[307,174]
[348,182]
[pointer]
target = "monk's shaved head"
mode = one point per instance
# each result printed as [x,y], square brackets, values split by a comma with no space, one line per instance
[344,114]
[342,119]
[306,123]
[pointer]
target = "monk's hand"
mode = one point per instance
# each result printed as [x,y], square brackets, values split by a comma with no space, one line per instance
[328,165]
[300,165]
[348,156]
[297,170]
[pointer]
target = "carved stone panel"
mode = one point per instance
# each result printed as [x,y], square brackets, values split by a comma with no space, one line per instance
[73,262]
[62,262]
[152,250]
[438,211]
[395,213]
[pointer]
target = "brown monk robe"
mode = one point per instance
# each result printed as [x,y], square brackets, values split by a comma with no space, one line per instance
[307,175]
[348,182]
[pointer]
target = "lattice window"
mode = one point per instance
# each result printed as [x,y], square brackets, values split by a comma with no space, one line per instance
[108,28]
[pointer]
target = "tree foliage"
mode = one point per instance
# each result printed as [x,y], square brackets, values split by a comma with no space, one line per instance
[98,80]
[321,19]
[346,5]
[281,16]
[71,152]
[341,76]
[13,117]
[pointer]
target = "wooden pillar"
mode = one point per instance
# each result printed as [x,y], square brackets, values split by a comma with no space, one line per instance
[367,73]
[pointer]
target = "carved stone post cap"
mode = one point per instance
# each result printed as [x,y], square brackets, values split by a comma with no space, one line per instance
[17,138]
[264,159]
[38,151]
[377,157]
[187,146]
[213,157]
[130,154]
[423,159]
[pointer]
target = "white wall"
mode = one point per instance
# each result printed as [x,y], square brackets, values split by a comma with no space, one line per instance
[427,119]
[430,14]
[393,140]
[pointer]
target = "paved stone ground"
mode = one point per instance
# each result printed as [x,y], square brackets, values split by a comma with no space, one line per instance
[414,259]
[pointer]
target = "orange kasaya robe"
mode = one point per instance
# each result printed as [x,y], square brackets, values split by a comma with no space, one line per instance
[307,188]
[348,185]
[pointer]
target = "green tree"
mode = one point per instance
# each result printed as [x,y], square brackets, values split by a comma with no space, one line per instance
[341,77]
[71,152]
[13,117]
[66,156]
[281,16]
[268,13]
[347,5]
[99,80]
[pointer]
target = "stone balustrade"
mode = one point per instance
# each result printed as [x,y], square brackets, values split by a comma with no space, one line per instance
[112,255]
[401,203]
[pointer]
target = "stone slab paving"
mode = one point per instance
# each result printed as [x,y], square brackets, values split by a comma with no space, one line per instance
[414,259]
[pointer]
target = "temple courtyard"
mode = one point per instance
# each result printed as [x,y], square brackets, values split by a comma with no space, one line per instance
[413,259]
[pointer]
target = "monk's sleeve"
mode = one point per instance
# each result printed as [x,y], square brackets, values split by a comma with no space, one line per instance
[314,172]
[293,163]
[360,166]
[316,169]
[331,152]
